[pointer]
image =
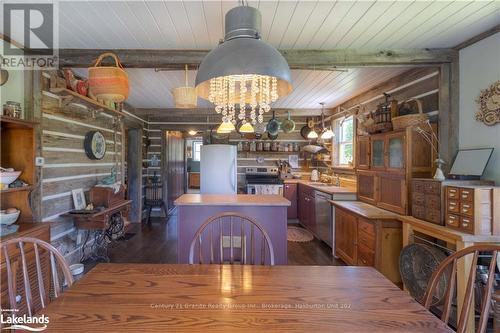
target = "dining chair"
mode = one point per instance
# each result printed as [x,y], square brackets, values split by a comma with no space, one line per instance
[154,198]
[449,267]
[28,249]
[213,236]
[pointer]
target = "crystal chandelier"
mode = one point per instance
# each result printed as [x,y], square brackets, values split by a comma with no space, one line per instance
[234,94]
[243,75]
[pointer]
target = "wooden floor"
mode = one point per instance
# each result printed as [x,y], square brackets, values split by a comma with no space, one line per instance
[157,243]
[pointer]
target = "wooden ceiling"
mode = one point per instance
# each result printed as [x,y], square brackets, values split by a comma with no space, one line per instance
[323,25]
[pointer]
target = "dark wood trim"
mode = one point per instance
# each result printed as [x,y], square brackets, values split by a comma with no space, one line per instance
[297,59]
[477,38]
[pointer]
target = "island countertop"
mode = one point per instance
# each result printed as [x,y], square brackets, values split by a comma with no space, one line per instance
[231,200]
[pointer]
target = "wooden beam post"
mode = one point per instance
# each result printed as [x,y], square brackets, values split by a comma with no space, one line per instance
[134,169]
[448,113]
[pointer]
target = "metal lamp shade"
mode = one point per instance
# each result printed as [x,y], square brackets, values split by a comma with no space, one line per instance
[242,52]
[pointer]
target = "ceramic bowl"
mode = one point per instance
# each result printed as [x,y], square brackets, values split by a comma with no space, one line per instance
[8,177]
[8,219]
[76,269]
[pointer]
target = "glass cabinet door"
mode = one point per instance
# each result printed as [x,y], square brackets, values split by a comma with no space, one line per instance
[395,152]
[378,153]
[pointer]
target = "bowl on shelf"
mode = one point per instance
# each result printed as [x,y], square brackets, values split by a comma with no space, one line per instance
[7,177]
[9,218]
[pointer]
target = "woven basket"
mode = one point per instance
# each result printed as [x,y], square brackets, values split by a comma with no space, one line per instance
[108,83]
[185,97]
[403,122]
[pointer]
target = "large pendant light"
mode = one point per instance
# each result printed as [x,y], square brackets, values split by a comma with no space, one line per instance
[243,72]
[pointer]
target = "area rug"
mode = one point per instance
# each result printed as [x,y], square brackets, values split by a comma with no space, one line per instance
[296,234]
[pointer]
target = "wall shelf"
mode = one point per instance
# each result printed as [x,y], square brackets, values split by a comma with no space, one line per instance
[16,189]
[67,96]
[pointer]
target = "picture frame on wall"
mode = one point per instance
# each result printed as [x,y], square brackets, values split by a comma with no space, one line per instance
[79,199]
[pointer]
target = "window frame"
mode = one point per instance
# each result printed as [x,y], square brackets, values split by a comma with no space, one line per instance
[339,143]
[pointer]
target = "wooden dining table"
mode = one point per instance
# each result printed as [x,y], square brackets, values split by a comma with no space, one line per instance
[235,298]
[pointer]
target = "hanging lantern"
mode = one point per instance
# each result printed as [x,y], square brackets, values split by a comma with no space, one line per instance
[185,97]
[243,72]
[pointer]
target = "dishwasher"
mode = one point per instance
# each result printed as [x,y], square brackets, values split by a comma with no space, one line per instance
[325,215]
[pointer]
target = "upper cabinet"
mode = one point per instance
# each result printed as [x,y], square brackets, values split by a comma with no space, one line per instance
[386,168]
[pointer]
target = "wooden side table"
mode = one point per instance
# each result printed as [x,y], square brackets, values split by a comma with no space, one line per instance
[455,240]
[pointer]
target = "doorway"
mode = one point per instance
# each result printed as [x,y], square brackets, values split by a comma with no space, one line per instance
[193,154]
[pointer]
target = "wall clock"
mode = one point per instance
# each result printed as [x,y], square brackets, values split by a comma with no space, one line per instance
[488,103]
[95,145]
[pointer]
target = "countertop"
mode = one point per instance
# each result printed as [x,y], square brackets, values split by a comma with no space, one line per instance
[330,189]
[365,210]
[231,200]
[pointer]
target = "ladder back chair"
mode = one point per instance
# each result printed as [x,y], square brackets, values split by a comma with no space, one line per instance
[154,198]
[449,267]
[226,235]
[21,263]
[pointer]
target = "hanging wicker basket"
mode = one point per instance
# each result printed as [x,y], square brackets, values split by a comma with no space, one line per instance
[402,122]
[108,83]
[185,97]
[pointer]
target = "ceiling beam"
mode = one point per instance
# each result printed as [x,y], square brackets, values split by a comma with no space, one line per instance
[297,59]
[173,113]
[477,38]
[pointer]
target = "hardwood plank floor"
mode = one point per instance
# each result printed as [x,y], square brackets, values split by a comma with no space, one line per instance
[157,243]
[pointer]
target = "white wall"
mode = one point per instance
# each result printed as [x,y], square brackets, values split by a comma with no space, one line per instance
[479,68]
[13,89]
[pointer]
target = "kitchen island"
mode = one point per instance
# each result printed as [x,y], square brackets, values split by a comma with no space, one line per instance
[270,211]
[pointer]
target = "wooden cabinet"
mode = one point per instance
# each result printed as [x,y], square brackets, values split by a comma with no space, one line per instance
[306,209]
[18,152]
[290,192]
[36,230]
[473,209]
[366,186]
[174,167]
[346,229]
[193,180]
[395,158]
[368,236]
[363,152]
[390,189]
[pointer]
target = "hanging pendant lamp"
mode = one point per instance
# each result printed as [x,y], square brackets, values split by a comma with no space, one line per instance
[327,132]
[185,97]
[243,72]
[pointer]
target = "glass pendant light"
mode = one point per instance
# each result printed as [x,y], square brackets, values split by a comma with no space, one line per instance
[192,132]
[225,127]
[247,128]
[312,134]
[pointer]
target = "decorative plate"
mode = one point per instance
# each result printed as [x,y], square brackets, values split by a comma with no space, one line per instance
[488,103]
[95,145]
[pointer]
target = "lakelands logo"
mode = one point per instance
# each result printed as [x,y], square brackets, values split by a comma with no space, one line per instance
[9,321]
[33,30]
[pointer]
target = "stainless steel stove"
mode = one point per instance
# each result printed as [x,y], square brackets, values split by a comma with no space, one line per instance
[263,180]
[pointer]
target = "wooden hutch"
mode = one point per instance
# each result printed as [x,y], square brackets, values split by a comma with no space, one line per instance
[386,164]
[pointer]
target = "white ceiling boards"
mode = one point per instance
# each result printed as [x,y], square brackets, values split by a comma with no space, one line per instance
[293,25]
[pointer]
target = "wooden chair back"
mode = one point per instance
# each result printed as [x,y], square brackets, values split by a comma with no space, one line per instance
[212,236]
[154,194]
[449,266]
[56,259]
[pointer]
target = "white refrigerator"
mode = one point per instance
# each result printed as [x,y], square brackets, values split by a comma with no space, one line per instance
[218,169]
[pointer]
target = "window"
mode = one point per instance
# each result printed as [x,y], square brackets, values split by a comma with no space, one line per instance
[344,132]
[197,150]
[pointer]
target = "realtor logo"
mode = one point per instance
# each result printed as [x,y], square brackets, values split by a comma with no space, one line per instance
[34,27]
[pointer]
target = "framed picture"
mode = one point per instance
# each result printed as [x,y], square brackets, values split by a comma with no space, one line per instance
[79,199]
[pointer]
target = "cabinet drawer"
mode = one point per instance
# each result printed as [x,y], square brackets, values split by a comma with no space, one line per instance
[453,206]
[452,220]
[466,194]
[432,187]
[366,256]
[467,224]
[452,192]
[366,226]
[467,208]
[366,240]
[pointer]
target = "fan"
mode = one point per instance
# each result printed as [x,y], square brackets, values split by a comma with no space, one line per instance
[417,262]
